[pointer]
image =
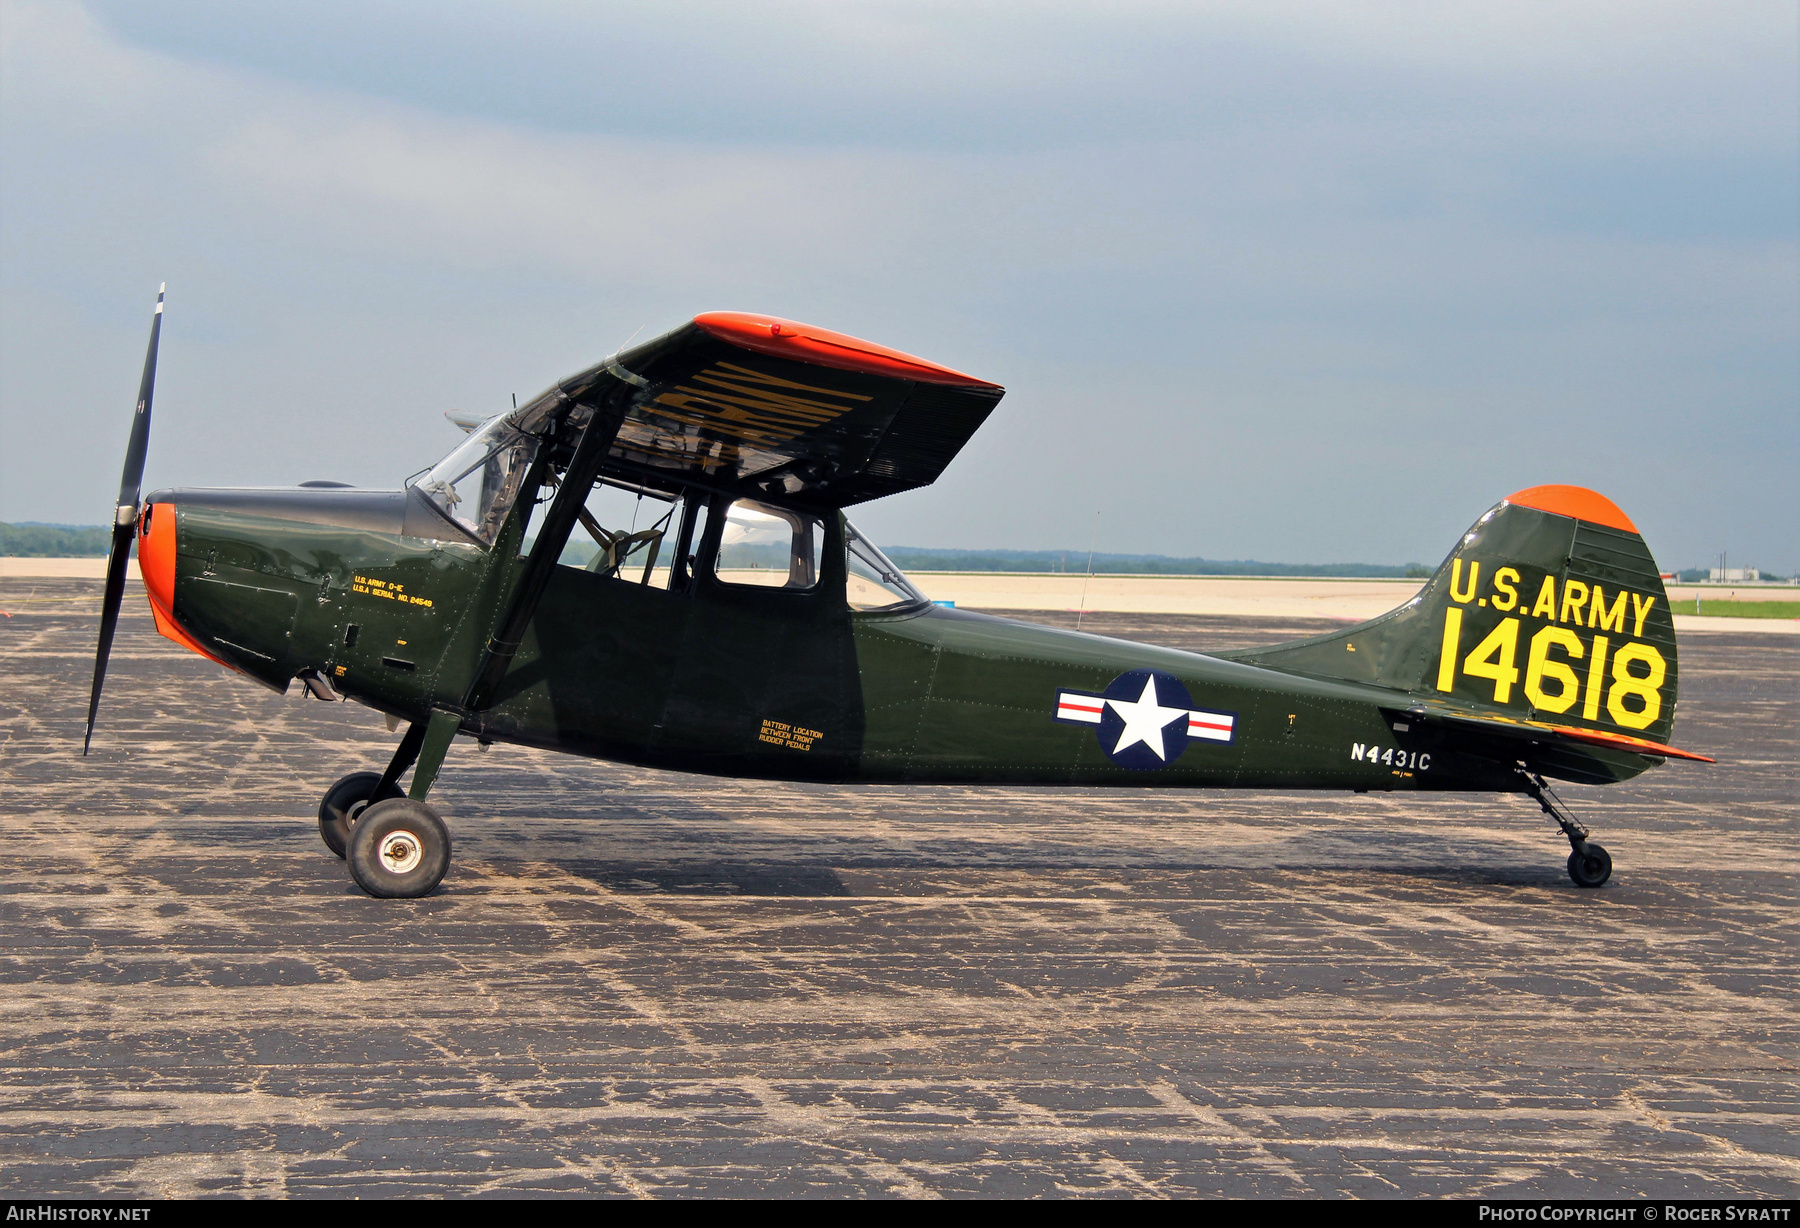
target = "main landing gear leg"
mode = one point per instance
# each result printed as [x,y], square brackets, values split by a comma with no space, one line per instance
[397,846]
[1590,865]
[346,800]
[405,755]
[434,742]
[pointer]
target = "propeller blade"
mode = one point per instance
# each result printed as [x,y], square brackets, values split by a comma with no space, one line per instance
[116,561]
[125,514]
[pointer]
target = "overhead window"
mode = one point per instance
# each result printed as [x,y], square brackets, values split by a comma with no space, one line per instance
[768,547]
[871,581]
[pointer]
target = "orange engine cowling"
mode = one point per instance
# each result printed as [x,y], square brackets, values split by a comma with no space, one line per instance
[156,563]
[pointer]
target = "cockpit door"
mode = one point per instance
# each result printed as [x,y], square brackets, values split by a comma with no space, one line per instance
[766,679]
[595,670]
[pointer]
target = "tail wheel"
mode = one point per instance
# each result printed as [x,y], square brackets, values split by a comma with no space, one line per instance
[399,849]
[1590,865]
[344,803]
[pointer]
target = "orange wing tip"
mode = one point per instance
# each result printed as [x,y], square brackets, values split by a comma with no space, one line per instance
[822,347]
[1620,741]
[1576,501]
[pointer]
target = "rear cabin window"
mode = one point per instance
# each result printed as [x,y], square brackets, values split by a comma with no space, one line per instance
[768,547]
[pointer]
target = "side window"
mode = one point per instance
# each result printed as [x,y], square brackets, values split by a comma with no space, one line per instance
[622,533]
[768,547]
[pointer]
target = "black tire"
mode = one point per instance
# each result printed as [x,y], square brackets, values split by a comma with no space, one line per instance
[399,849]
[1590,865]
[344,803]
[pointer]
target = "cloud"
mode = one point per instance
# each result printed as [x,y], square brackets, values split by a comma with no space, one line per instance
[1248,270]
[997,76]
[491,198]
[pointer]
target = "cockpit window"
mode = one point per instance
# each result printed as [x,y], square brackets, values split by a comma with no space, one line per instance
[871,581]
[476,484]
[625,530]
[769,547]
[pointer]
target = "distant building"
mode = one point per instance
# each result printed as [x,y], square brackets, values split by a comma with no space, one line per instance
[1734,575]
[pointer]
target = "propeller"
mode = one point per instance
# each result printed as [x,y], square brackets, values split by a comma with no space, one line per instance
[125,515]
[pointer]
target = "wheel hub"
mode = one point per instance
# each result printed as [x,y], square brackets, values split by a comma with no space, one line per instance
[400,852]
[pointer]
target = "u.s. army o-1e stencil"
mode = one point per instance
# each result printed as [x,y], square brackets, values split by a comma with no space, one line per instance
[726,617]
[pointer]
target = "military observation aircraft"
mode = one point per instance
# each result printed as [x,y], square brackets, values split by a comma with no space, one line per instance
[729,619]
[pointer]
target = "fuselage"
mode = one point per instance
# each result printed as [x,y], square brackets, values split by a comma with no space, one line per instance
[758,681]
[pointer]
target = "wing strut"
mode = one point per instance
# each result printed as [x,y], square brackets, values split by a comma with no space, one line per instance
[427,740]
[571,497]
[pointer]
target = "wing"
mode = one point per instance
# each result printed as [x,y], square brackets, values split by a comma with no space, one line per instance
[768,408]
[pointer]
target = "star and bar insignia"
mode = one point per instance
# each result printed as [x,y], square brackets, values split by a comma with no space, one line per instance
[1145,718]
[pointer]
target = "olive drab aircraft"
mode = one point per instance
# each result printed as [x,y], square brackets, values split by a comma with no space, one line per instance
[650,563]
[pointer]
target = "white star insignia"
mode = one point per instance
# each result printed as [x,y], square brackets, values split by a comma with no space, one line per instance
[1145,720]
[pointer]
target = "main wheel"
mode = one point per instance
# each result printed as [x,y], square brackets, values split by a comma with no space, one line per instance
[1590,865]
[399,849]
[344,803]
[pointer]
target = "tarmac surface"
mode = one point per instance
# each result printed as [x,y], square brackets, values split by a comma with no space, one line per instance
[642,983]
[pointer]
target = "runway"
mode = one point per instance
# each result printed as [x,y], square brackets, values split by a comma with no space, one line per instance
[643,983]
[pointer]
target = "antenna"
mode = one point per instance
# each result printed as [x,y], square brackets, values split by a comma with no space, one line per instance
[1092,542]
[515,400]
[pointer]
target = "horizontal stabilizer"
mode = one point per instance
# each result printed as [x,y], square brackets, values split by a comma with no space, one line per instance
[1542,731]
[1619,741]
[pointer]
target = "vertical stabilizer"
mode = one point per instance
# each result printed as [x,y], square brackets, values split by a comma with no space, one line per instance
[1550,608]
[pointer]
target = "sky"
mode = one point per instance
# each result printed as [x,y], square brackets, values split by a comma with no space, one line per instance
[1297,282]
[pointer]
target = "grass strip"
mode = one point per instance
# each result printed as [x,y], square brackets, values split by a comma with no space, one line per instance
[1723,608]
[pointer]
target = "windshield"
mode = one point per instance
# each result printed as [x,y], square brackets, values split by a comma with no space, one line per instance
[871,582]
[476,484]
